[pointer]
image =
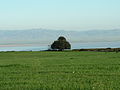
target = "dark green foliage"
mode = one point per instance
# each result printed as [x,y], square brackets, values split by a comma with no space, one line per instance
[61,38]
[61,44]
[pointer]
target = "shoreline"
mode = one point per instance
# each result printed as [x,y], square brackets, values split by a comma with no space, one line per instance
[90,49]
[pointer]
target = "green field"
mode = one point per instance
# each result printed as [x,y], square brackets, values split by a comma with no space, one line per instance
[59,70]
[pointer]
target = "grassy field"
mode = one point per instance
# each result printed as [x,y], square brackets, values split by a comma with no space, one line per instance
[59,71]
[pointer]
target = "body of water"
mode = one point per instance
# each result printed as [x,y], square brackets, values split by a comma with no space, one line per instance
[74,46]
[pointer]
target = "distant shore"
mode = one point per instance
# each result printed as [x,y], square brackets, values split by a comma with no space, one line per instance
[90,49]
[99,49]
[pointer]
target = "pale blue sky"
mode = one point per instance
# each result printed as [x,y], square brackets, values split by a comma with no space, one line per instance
[60,14]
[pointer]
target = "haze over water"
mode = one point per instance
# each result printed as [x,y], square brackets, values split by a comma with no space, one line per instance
[45,47]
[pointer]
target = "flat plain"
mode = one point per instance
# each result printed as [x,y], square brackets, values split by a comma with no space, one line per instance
[67,70]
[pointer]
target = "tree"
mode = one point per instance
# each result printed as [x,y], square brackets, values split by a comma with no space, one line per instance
[61,44]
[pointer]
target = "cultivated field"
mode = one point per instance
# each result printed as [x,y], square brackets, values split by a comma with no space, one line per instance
[59,70]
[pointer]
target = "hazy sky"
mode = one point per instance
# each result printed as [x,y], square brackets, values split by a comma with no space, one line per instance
[60,14]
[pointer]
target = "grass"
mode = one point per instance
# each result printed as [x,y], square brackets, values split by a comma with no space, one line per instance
[59,71]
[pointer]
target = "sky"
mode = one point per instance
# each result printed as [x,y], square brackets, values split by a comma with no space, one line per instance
[60,14]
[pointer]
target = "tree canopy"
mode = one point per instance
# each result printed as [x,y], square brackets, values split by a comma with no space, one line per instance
[61,44]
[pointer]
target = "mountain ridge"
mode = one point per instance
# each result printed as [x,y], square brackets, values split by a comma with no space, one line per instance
[48,36]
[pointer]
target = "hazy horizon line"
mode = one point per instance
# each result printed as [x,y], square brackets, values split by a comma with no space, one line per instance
[59,29]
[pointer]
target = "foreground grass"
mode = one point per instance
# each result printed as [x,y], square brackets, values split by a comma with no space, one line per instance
[59,71]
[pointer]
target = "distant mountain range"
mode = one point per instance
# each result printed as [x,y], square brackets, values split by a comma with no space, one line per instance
[42,36]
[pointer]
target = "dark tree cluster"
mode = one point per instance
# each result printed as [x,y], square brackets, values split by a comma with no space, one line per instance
[61,44]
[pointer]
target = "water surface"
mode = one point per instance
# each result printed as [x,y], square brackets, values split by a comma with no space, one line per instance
[37,47]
